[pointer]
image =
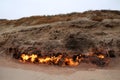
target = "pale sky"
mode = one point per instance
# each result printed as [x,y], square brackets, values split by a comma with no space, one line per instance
[14,9]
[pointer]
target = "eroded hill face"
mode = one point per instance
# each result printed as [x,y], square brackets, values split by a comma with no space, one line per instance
[72,33]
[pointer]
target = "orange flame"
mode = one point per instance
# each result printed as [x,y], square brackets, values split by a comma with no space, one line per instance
[44,60]
[70,62]
[25,57]
[101,56]
[33,57]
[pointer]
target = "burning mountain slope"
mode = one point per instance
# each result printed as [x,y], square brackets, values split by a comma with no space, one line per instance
[78,34]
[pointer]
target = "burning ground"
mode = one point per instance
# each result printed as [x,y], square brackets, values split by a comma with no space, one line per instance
[92,37]
[99,57]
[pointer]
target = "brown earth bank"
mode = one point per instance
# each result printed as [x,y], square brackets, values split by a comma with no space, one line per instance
[70,34]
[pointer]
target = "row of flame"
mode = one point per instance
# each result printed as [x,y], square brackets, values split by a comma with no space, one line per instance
[32,58]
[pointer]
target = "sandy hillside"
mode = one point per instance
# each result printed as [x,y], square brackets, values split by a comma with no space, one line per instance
[71,33]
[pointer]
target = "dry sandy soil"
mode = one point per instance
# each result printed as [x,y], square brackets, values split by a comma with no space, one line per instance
[76,32]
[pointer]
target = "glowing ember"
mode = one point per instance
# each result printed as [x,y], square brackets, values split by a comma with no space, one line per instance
[101,56]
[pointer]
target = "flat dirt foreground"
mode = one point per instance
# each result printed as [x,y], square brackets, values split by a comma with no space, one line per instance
[19,74]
